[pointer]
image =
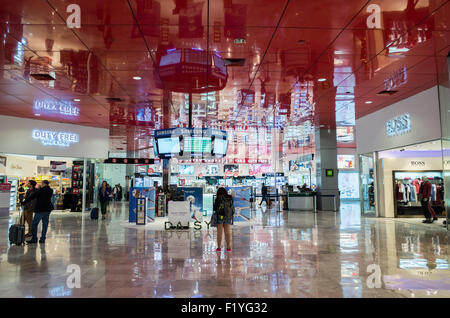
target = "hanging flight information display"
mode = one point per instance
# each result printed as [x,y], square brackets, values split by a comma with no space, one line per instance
[188,143]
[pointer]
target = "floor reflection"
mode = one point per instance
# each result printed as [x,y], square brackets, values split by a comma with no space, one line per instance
[280,254]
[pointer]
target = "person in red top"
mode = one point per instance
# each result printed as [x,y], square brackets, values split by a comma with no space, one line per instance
[425,191]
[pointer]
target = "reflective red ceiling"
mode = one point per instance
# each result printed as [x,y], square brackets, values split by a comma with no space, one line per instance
[288,46]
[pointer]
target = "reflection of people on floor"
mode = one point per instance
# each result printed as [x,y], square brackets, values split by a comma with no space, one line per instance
[429,252]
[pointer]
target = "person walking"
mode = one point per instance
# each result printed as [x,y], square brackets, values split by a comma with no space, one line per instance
[42,211]
[28,208]
[119,192]
[425,193]
[115,192]
[224,213]
[265,196]
[103,195]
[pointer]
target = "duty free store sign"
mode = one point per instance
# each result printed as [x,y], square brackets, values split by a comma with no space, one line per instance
[55,138]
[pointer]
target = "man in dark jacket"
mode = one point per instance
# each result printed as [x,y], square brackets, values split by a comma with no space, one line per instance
[28,209]
[42,210]
[425,192]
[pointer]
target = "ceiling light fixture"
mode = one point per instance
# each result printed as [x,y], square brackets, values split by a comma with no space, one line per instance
[37,114]
[137,78]
[368,102]
[76,99]
[321,79]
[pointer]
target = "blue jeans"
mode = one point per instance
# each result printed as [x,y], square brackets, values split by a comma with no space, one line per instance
[44,216]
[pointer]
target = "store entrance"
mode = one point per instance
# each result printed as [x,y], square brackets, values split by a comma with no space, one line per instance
[367,185]
[65,175]
[409,174]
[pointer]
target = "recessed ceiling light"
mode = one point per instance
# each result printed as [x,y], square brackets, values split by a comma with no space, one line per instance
[301,41]
[137,78]
[368,102]
[76,99]
[37,114]
[321,79]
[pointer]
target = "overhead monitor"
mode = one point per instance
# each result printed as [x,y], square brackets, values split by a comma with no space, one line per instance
[168,146]
[188,143]
[220,146]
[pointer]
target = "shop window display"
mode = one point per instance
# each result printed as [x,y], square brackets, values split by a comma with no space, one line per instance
[367,184]
[348,184]
[407,192]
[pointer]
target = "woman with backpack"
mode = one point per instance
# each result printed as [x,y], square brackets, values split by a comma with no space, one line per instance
[223,214]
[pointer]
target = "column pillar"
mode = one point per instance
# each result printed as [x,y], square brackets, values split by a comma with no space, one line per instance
[326,158]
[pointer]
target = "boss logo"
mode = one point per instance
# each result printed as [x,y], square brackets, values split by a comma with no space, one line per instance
[418,163]
[398,125]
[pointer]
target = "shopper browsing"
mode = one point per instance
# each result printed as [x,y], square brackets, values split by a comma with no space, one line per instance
[224,214]
[42,210]
[28,208]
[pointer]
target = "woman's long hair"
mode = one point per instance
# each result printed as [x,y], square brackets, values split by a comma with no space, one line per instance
[221,193]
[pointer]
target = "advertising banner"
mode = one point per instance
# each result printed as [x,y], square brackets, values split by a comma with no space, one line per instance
[149,194]
[242,205]
[195,198]
[57,166]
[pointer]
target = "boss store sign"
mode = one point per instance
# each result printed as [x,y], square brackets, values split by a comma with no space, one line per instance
[399,125]
[417,164]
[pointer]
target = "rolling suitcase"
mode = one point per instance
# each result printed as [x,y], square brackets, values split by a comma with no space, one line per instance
[94,214]
[17,233]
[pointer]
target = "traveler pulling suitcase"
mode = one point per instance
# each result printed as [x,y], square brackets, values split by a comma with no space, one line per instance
[94,214]
[17,233]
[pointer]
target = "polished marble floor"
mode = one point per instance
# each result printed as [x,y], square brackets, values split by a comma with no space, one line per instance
[280,254]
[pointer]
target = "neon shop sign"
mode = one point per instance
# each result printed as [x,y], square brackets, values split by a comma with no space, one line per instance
[55,138]
[56,107]
[398,125]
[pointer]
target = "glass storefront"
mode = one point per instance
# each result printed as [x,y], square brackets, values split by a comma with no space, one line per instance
[367,185]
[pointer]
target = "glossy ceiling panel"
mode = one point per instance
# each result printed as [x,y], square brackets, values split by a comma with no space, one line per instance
[119,66]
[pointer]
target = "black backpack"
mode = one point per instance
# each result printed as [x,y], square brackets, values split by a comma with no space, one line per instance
[226,208]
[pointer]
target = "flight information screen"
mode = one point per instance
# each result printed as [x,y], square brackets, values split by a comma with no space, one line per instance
[168,145]
[220,146]
[191,143]
[197,144]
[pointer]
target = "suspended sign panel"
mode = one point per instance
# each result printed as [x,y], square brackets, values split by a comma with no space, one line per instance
[190,143]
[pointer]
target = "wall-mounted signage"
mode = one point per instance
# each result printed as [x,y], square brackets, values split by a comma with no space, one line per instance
[273,174]
[56,107]
[55,138]
[398,125]
[57,166]
[346,161]
[417,163]
[329,172]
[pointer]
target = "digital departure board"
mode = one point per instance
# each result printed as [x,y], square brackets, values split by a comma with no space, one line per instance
[187,143]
